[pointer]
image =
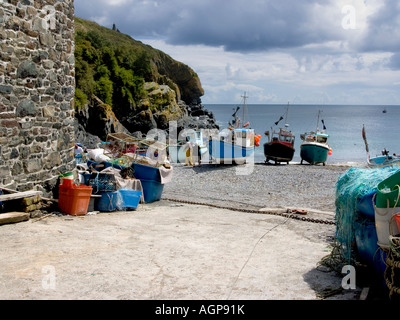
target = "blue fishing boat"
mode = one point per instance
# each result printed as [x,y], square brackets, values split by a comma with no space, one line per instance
[234,144]
[384,160]
[315,148]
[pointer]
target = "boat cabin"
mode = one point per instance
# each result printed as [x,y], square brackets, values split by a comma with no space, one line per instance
[314,137]
[241,137]
[284,136]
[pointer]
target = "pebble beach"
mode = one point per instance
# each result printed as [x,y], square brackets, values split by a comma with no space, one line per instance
[258,186]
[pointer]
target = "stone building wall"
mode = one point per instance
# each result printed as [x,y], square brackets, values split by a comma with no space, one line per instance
[37,84]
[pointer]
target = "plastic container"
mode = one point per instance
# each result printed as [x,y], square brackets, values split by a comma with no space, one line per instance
[366,241]
[74,200]
[152,190]
[107,202]
[86,177]
[388,193]
[397,219]
[129,199]
[385,225]
[146,172]
[365,205]
[367,247]
[66,176]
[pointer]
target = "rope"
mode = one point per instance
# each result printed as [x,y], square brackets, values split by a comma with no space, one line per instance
[251,253]
[392,271]
[286,215]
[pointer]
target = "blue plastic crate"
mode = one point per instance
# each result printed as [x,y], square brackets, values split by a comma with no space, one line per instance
[146,172]
[108,201]
[129,199]
[152,190]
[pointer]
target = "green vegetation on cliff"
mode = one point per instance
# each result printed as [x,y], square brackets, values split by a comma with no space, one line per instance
[107,67]
[115,67]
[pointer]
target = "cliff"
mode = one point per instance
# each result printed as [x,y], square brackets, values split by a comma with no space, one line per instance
[125,85]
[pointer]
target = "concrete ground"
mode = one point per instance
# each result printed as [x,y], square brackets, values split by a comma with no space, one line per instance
[170,251]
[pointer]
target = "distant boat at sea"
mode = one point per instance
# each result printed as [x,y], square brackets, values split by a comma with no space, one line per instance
[384,110]
[235,144]
[280,145]
[315,148]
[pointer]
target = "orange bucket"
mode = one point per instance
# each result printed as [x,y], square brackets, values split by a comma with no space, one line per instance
[397,218]
[67,183]
[74,200]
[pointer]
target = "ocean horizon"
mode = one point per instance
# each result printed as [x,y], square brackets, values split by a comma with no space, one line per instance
[343,124]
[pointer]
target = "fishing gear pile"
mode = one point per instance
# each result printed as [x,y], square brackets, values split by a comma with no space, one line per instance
[351,187]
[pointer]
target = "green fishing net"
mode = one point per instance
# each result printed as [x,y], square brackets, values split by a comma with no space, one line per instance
[351,187]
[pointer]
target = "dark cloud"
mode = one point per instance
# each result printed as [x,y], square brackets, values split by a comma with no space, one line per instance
[394,62]
[236,25]
[383,32]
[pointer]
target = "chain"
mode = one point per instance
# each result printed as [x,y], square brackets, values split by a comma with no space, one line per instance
[282,214]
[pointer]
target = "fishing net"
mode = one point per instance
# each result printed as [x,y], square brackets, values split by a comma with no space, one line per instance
[351,187]
[102,182]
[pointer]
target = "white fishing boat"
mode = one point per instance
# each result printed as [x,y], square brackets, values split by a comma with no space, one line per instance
[383,160]
[177,152]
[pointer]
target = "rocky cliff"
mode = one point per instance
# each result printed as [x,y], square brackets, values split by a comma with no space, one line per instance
[123,85]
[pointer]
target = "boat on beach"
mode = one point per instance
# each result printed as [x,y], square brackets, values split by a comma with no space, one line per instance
[280,145]
[383,160]
[315,148]
[235,144]
[177,153]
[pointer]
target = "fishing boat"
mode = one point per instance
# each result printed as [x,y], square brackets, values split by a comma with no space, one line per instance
[315,148]
[177,151]
[280,145]
[383,160]
[236,143]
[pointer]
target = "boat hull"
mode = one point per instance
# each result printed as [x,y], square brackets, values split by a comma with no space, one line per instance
[278,152]
[314,153]
[383,161]
[225,152]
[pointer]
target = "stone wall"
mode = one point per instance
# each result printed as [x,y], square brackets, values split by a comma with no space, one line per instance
[37,84]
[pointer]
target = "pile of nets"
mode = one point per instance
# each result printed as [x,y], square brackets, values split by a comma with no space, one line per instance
[351,187]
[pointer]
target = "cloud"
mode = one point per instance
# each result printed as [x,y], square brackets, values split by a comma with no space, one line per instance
[394,62]
[383,29]
[236,25]
[277,51]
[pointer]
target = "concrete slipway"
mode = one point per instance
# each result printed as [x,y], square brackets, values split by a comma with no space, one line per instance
[167,250]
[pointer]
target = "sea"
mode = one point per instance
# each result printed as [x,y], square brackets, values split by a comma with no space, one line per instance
[343,124]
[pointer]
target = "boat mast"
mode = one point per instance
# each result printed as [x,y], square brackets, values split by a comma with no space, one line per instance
[286,115]
[319,111]
[244,107]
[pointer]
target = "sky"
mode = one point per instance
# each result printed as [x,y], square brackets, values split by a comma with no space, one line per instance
[277,51]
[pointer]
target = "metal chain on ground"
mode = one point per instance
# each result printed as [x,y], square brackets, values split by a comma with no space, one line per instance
[282,214]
